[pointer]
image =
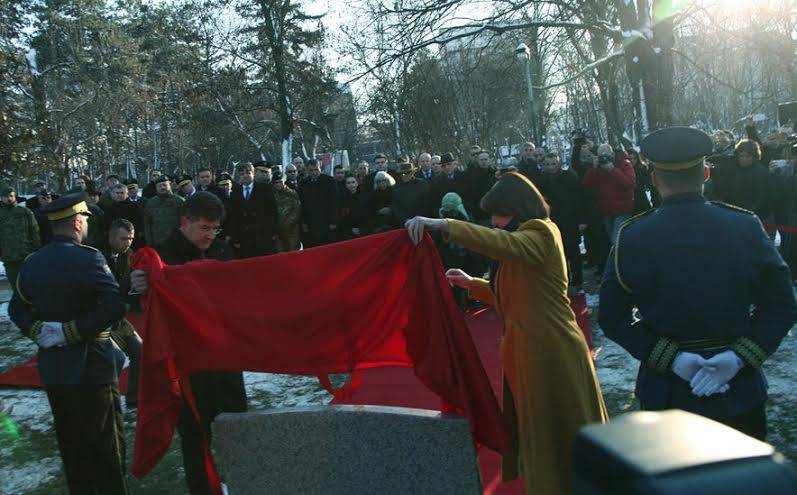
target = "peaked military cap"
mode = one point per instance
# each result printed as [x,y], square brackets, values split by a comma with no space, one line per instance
[162,178]
[131,182]
[223,179]
[676,148]
[66,206]
[185,180]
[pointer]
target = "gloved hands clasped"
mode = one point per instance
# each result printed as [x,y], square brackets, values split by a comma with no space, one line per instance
[707,376]
[51,334]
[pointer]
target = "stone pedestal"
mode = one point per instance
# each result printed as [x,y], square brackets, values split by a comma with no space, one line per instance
[345,449]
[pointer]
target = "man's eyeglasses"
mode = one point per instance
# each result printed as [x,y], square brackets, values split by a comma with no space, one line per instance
[291,171]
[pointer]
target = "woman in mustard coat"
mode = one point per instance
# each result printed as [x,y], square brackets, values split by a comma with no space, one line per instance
[552,386]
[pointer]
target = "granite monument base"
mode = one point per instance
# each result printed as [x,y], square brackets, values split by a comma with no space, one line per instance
[345,449]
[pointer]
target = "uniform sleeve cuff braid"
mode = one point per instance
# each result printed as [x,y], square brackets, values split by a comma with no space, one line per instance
[34,330]
[751,353]
[71,333]
[662,355]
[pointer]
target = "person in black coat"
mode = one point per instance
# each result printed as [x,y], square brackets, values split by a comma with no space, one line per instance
[45,229]
[352,211]
[480,179]
[214,391]
[744,181]
[318,195]
[563,192]
[644,191]
[410,195]
[253,222]
[378,212]
[122,207]
[450,180]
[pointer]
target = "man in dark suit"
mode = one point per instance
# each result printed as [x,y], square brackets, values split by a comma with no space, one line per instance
[319,206]
[425,167]
[450,180]
[253,218]
[214,392]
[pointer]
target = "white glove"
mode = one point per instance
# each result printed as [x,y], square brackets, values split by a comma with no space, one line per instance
[716,373]
[459,278]
[51,334]
[686,364]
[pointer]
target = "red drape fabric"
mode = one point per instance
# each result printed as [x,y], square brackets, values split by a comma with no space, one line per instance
[371,302]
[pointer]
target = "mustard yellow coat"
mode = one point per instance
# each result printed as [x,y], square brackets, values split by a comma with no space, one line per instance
[552,382]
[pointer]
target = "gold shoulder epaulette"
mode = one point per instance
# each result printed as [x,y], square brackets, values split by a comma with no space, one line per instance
[732,207]
[19,277]
[617,247]
[635,218]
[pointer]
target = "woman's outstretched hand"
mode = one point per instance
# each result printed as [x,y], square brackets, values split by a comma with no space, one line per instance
[415,227]
[459,278]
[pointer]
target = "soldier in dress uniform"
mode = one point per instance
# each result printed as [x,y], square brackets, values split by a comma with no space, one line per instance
[694,269]
[66,301]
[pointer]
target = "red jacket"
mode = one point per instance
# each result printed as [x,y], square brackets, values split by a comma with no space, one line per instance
[615,189]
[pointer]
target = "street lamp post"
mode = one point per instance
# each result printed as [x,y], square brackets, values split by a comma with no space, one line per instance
[524,53]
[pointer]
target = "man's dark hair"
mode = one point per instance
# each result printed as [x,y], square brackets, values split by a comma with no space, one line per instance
[687,180]
[121,223]
[551,154]
[516,196]
[244,166]
[202,205]
[312,162]
[338,167]
[380,155]
[204,169]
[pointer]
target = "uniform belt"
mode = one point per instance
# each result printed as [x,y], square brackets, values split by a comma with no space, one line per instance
[706,344]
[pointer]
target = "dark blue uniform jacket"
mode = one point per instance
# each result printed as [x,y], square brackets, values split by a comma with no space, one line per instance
[704,277]
[71,283]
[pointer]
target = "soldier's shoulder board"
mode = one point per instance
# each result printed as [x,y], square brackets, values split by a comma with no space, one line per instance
[636,218]
[732,207]
[89,247]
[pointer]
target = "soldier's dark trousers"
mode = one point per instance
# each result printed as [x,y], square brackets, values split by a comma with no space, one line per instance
[193,452]
[88,424]
[12,272]
[753,423]
[570,240]
[134,344]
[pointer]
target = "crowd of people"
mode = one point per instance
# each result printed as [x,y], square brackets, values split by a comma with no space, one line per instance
[521,219]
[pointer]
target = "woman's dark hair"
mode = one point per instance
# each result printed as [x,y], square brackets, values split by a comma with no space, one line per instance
[516,196]
[202,205]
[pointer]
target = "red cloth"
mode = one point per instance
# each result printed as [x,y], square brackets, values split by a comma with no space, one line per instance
[371,302]
[615,189]
[26,375]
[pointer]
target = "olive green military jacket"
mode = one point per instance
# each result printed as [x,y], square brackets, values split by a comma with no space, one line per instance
[19,233]
[161,217]
[288,206]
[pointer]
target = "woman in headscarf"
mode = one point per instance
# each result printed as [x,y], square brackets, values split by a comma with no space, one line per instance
[552,386]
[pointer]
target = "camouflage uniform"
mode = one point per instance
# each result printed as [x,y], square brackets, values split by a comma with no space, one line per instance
[161,217]
[19,236]
[289,208]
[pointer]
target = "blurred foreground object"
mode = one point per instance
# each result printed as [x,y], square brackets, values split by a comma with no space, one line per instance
[675,452]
